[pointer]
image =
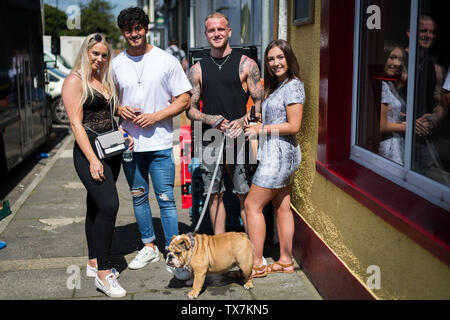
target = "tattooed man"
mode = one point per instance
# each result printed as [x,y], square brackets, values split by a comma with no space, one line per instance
[223,81]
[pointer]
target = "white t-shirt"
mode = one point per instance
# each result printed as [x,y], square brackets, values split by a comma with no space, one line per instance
[162,78]
[447,82]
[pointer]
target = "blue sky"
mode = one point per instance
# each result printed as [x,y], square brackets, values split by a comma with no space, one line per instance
[120,4]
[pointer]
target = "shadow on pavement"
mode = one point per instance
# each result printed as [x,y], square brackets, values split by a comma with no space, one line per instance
[17,174]
[127,240]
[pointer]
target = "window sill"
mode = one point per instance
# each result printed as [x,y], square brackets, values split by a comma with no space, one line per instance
[422,221]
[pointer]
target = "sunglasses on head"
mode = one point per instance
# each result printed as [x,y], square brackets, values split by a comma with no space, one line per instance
[98,37]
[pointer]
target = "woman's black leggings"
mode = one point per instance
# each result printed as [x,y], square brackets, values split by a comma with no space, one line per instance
[102,204]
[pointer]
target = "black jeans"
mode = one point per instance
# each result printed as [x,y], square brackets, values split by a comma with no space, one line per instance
[102,204]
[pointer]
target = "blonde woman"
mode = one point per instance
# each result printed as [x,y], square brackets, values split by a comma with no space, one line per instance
[89,98]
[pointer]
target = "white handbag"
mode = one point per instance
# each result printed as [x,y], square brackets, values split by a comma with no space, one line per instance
[109,143]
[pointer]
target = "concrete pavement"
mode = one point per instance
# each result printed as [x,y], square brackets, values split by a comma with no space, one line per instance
[47,251]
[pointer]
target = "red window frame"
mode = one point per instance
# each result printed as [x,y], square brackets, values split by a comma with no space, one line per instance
[422,221]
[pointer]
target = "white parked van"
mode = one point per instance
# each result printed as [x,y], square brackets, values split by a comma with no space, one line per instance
[61,63]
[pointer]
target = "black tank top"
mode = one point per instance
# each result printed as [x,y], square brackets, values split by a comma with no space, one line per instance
[426,86]
[222,91]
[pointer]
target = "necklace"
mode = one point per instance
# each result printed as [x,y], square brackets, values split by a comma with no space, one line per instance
[139,82]
[219,65]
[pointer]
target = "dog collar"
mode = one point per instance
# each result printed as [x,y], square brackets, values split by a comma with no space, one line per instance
[191,237]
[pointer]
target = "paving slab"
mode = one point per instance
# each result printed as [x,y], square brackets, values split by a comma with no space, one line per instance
[46,243]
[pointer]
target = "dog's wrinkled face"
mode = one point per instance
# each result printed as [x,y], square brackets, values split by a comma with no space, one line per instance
[178,251]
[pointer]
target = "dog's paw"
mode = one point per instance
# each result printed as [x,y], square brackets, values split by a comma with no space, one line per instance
[248,285]
[193,295]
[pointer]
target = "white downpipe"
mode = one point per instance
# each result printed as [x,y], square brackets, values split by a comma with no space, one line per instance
[265,29]
[191,24]
[282,19]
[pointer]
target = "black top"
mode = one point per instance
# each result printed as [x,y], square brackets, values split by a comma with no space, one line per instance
[97,114]
[427,83]
[222,91]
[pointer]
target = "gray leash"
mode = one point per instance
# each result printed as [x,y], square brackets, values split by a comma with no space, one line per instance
[205,205]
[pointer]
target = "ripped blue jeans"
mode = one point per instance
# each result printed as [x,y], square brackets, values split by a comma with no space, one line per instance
[161,167]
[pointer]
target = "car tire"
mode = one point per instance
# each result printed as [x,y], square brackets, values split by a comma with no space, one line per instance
[59,114]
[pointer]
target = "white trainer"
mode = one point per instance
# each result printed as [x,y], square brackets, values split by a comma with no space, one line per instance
[91,272]
[144,257]
[183,274]
[111,287]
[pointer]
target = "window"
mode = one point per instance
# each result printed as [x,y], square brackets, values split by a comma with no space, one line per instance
[303,12]
[400,127]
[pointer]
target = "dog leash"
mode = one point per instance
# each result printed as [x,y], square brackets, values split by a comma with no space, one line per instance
[205,205]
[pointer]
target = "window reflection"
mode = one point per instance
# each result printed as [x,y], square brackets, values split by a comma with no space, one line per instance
[431,128]
[393,105]
[383,87]
[382,96]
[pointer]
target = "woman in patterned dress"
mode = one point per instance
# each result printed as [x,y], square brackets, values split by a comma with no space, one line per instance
[393,106]
[278,154]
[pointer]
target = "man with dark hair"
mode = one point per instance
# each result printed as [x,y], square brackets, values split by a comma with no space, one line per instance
[130,17]
[223,80]
[152,89]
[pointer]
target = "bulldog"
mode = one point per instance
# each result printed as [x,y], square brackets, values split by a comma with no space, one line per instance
[211,254]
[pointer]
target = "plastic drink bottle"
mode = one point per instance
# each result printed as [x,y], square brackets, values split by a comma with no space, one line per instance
[127,154]
[252,118]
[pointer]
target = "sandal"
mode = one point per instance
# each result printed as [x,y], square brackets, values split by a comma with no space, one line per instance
[259,272]
[282,269]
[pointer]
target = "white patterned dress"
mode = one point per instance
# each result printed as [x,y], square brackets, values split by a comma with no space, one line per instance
[393,146]
[279,156]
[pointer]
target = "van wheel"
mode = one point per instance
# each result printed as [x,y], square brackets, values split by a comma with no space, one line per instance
[59,112]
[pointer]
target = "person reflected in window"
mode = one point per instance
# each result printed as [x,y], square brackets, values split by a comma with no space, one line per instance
[428,109]
[441,132]
[393,106]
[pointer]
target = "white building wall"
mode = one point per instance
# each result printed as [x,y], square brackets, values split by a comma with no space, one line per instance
[70,45]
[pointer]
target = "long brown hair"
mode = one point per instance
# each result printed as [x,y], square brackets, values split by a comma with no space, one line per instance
[270,79]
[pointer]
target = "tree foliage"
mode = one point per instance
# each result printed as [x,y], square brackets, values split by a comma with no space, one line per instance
[96,17]
[55,20]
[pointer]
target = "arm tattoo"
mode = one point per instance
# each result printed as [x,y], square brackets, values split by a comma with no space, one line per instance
[244,60]
[194,112]
[254,85]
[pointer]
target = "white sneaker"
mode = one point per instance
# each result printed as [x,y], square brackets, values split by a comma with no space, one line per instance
[264,261]
[111,287]
[91,272]
[179,273]
[144,257]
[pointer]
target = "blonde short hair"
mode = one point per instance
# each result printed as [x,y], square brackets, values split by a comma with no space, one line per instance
[217,15]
